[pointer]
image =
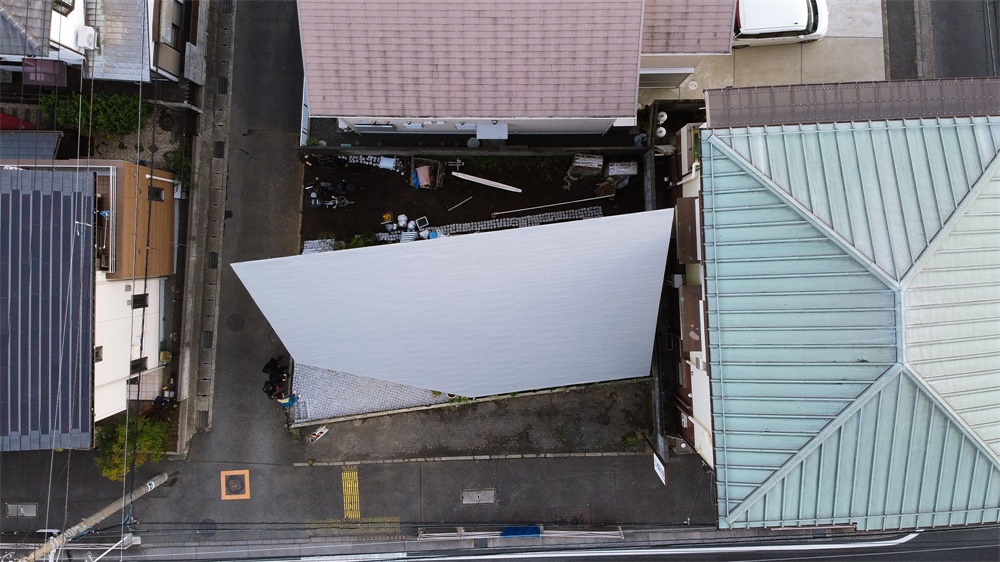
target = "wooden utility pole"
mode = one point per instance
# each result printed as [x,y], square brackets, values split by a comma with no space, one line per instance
[75,531]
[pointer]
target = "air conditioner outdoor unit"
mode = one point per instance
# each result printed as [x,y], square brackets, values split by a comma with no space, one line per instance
[86,38]
[687,141]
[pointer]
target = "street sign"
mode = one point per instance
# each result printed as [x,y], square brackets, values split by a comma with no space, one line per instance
[660,470]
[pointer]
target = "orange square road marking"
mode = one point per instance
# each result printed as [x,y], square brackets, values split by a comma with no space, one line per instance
[235,484]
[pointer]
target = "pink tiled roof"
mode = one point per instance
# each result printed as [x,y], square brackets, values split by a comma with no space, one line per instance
[688,26]
[471,58]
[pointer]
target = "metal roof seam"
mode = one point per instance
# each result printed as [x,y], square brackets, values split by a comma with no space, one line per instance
[955,416]
[835,237]
[873,390]
[991,173]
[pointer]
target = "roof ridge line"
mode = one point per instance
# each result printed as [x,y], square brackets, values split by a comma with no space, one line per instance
[889,375]
[955,417]
[28,37]
[808,215]
[990,173]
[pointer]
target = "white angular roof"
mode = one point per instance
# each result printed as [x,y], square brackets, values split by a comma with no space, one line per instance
[477,315]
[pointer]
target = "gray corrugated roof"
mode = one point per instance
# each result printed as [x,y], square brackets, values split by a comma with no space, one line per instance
[481,314]
[24,27]
[29,146]
[123,42]
[852,101]
[852,274]
[325,394]
[46,307]
[687,26]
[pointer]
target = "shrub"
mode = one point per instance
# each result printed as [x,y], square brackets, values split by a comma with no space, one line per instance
[362,240]
[112,114]
[147,441]
[179,162]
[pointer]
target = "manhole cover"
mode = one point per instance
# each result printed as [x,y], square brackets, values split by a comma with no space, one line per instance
[207,527]
[236,322]
[166,121]
[235,484]
[470,497]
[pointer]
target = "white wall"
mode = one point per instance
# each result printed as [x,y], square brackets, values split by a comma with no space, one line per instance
[468,126]
[701,398]
[118,330]
[63,32]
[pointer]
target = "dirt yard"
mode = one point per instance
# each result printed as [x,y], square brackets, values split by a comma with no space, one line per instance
[380,192]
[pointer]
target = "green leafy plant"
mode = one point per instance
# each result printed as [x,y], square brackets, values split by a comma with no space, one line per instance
[362,240]
[179,162]
[146,442]
[112,114]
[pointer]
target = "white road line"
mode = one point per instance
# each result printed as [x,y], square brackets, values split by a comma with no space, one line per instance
[694,550]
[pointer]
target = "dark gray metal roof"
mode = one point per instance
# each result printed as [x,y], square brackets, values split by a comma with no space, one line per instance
[46,309]
[29,146]
[852,101]
[24,27]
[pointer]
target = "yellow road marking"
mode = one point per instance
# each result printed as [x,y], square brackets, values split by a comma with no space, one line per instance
[352,498]
[366,528]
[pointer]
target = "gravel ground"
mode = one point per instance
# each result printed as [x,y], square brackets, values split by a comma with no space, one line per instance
[111,147]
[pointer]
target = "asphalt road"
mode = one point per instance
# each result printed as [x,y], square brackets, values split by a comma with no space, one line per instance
[942,38]
[973,544]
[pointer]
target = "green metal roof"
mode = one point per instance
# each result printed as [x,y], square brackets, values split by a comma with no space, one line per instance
[853,285]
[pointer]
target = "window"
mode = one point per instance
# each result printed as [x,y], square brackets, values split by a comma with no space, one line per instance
[155,193]
[22,509]
[137,366]
[140,301]
[99,354]
[63,7]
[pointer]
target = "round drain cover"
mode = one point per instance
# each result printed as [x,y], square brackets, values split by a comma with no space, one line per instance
[235,484]
[236,322]
[207,527]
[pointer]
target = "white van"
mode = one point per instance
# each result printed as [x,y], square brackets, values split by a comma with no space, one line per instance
[767,22]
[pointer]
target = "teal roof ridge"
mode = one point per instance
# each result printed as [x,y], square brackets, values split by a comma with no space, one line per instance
[765,180]
[876,184]
[990,173]
[937,473]
[887,377]
[787,354]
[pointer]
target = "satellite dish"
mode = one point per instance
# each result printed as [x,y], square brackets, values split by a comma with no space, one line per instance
[661,132]
[661,117]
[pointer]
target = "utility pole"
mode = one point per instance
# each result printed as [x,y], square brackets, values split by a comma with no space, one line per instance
[69,534]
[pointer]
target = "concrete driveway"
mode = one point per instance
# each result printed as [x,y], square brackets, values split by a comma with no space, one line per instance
[853,50]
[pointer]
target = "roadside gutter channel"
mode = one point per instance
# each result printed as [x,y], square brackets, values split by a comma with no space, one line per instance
[206,220]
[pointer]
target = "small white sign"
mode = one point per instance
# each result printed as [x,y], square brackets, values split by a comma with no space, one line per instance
[661,470]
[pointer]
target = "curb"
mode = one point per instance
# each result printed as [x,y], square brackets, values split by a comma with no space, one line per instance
[200,321]
[474,458]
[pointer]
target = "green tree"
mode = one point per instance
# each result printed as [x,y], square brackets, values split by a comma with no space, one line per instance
[147,441]
[112,114]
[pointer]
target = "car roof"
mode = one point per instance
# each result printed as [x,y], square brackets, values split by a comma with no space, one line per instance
[773,16]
